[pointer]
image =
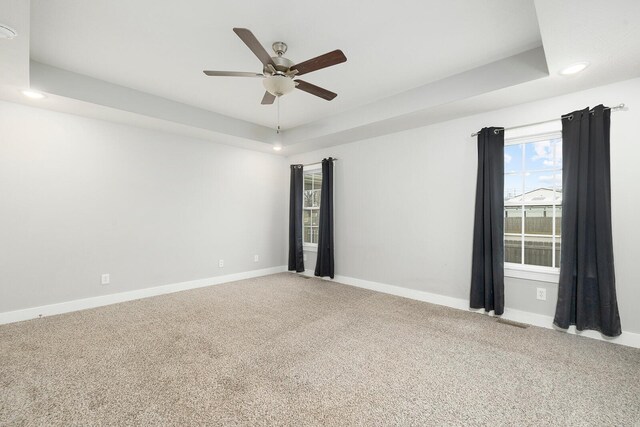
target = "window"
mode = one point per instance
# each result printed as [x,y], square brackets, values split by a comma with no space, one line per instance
[533,203]
[311,206]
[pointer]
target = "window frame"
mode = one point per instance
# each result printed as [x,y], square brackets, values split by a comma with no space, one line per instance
[309,169]
[528,271]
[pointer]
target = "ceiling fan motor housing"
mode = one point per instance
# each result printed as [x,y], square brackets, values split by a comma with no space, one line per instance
[282,65]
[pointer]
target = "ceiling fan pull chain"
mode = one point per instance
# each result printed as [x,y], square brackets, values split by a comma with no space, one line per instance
[278,101]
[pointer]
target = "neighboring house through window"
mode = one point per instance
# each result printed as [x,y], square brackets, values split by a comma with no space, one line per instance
[311,205]
[533,202]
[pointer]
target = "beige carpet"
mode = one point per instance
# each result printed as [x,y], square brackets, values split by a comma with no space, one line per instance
[285,350]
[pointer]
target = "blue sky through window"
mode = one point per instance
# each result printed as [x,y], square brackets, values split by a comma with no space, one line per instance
[539,163]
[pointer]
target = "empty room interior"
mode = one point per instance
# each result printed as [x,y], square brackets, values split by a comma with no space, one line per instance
[303,213]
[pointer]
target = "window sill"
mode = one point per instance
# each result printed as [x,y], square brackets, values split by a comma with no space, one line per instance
[310,248]
[527,273]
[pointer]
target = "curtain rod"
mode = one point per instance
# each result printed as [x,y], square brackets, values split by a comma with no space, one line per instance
[616,108]
[317,163]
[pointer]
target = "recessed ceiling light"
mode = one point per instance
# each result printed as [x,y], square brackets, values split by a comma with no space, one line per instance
[6,32]
[32,94]
[277,147]
[574,68]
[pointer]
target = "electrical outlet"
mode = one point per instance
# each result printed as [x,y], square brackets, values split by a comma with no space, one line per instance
[541,294]
[256,258]
[221,263]
[105,279]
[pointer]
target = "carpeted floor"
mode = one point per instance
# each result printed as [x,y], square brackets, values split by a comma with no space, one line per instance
[285,350]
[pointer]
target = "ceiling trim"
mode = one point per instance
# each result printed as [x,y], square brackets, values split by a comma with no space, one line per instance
[403,111]
[56,81]
[406,110]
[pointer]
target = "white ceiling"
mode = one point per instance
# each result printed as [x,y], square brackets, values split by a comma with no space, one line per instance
[607,34]
[410,63]
[161,47]
[14,54]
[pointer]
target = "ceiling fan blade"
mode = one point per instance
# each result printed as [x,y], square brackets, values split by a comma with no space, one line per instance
[232,73]
[315,90]
[319,62]
[268,98]
[252,43]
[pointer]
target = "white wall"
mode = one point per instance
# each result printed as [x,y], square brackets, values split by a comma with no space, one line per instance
[81,197]
[404,202]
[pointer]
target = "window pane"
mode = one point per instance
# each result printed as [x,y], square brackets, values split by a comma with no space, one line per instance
[513,249]
[317,181]
[513,189]
[533,178]
[306,233]
[308,181]
[539,155]
[314,234]
[307,199]
[513,219]
[538,220]
[315,217]
[538,187]
[538,250]
[512,158]
[316,199]
[557,146]
[306,217]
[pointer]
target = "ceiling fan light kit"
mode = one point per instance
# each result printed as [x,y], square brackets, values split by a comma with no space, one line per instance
[278,85]
[279,72]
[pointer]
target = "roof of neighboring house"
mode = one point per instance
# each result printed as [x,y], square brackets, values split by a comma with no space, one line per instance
[537,196]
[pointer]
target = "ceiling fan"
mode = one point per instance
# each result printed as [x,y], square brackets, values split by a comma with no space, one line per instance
[279,72]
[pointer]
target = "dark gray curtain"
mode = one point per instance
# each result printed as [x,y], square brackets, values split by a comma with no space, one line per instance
[296,256]
[587,287]
[324,262]
[487,273]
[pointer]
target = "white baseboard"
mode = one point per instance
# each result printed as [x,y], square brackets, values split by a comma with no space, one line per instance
[99,301]
[626,338]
